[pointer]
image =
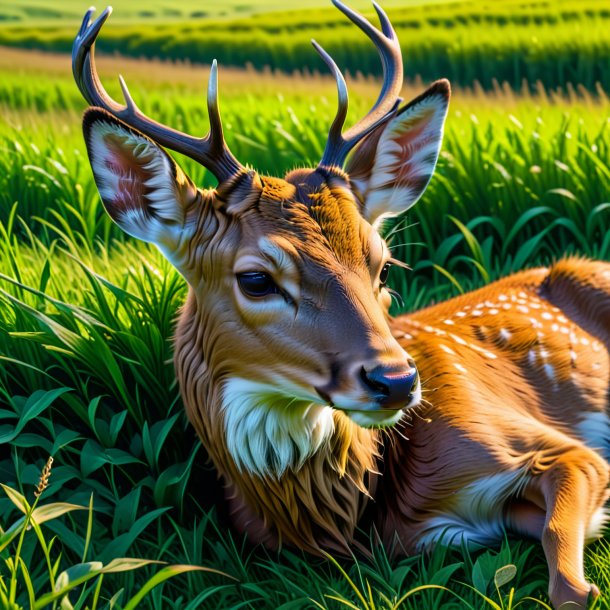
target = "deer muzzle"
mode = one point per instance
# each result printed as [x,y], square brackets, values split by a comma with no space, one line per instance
[374,394]
[391,387]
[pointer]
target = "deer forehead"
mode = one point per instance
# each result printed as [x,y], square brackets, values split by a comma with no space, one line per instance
[295,228]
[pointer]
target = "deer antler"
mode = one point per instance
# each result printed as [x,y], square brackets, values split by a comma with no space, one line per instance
[211,151]
[338,145]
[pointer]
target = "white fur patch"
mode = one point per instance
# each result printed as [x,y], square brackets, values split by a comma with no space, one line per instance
[269,433]
[477,515]
[452,530]
[597,524]
[594,429]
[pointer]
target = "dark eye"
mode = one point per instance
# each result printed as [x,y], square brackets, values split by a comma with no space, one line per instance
[256,284]
[383,276]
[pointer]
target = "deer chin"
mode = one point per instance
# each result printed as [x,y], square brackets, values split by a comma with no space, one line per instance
[270,432]
[372,416]
[383,418]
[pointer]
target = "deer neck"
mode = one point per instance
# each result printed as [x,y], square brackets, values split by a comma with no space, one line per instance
[302,469]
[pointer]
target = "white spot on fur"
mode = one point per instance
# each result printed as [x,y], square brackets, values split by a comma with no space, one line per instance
[459,367]
[267,432]
[446,349]
[505,335]
[458,339]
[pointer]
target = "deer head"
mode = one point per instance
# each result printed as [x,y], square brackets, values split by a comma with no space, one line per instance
[288,309]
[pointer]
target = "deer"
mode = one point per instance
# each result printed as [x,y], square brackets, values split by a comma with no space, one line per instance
[307,394]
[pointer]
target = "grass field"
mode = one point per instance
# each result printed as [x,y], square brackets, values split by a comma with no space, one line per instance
[39,14]
[86,316]
[566,41]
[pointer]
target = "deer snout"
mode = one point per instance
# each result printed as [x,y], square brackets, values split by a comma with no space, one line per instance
[391,386]
[372,393]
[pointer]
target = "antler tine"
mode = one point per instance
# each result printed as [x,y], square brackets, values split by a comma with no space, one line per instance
[338,145]
[211,150]
[337,125]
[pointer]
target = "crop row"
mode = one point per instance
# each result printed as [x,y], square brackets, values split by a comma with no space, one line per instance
[568,42]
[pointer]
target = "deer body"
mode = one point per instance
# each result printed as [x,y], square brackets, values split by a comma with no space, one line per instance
[516,378]
[304,391]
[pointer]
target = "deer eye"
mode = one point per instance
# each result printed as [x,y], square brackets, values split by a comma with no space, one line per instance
[257,284]
[383,276]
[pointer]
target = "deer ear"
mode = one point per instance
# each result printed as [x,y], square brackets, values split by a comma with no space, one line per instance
[142,188]
[391,168]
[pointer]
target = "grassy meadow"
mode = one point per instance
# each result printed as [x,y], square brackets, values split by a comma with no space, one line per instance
[86,318]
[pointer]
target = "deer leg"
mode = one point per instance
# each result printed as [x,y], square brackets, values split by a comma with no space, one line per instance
[573,488]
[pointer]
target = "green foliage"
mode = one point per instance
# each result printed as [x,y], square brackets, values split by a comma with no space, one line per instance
[567,41]
[20,585]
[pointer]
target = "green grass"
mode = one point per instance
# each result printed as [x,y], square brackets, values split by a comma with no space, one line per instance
[86,317]
[567,41]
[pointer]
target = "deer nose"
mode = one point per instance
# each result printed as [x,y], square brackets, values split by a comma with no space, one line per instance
[391,386]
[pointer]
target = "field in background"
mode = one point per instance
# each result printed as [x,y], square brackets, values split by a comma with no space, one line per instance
[42,14]
[86,315]
[556,43]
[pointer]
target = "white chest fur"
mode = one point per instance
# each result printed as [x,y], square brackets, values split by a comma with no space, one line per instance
[268,433]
